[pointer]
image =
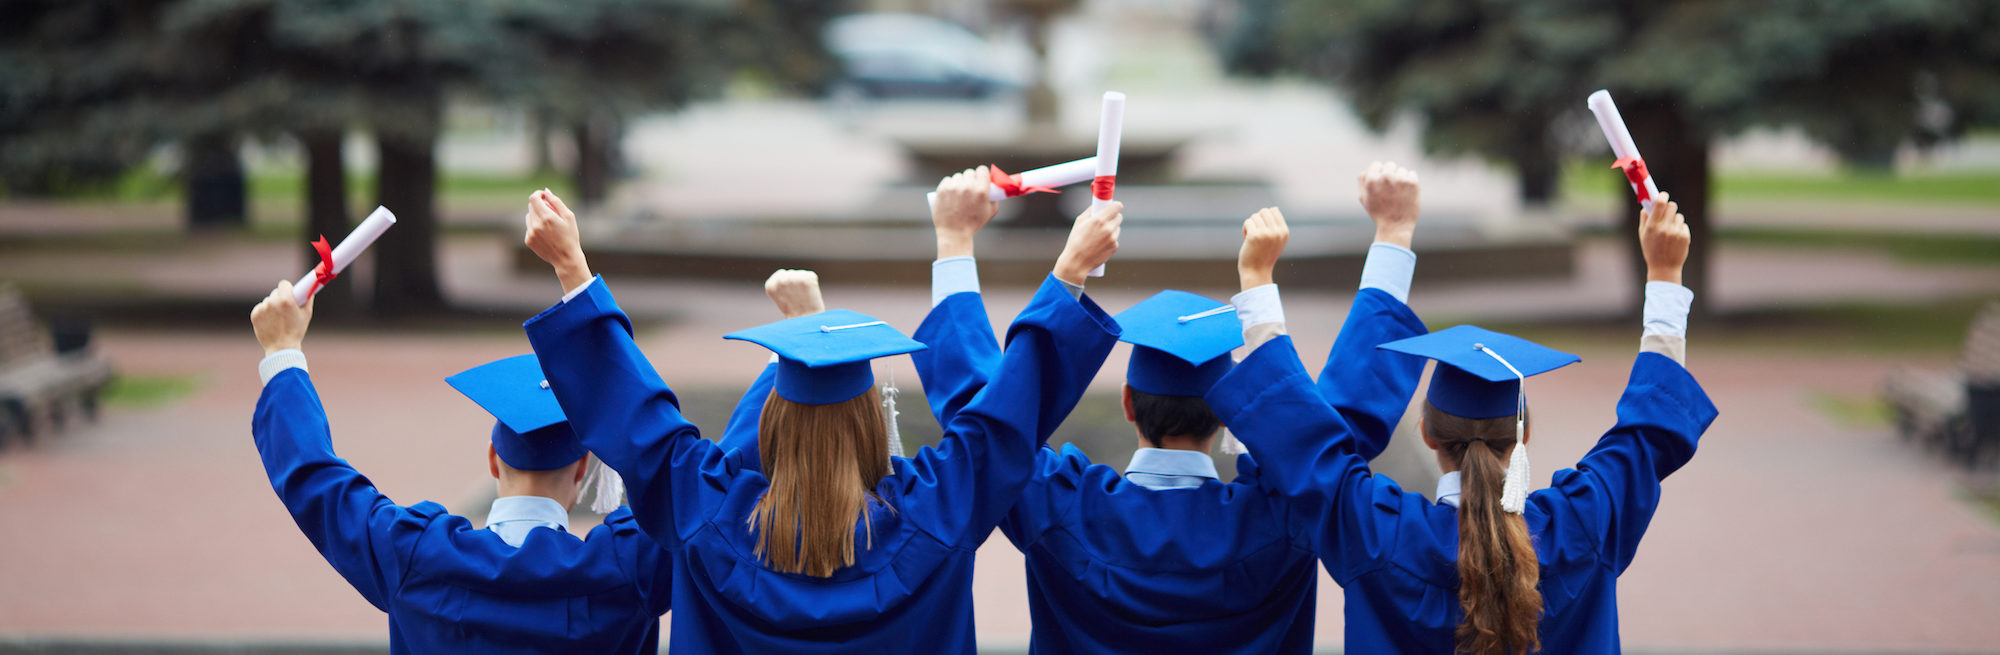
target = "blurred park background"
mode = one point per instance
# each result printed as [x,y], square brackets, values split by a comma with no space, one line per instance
[164,162]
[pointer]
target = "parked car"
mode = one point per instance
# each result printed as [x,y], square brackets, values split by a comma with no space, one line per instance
[894,55]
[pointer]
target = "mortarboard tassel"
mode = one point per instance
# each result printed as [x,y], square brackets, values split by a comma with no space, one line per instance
[1230,446]
[1514,493]
[607,489]
[889,412]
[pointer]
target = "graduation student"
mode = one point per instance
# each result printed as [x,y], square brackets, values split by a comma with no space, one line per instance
[1488,567]
[1167,556]
[524,584]
[829,545]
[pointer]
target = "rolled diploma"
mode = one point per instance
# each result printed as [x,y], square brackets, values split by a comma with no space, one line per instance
[363,235]
[1054,177]
[1620,138]
[1110,128]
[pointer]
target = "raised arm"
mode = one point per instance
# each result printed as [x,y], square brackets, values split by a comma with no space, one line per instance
[1616,487]
[358,530]
[963,351]
[614,399]
[1054,348]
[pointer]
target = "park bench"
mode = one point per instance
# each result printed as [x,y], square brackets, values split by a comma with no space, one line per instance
[44,381]
[1954,412]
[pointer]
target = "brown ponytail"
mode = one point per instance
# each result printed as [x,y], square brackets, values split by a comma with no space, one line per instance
[823,462]
[1497,569]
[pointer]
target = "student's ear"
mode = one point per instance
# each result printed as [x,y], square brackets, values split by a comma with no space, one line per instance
[1126,397]
[1424,428]
[493,461]
[1527,432]
[582,466]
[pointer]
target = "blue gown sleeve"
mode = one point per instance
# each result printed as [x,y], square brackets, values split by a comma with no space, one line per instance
[989,447]
[1304,449]
[1371,387]
[740,436]
[366,538]
[962,353]
[1615,489]
[626,415]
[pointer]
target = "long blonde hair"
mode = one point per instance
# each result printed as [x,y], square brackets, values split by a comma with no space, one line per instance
[823,462]
[1497,569]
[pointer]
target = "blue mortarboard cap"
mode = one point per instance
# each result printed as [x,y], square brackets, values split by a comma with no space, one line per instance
[531,432]
[1180,343]
[823,358]
[1469,382]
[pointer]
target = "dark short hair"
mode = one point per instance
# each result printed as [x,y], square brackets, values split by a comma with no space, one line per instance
[1161,416]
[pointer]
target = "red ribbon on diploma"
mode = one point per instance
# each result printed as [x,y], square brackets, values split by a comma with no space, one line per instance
[323,273]
[1101,186]
[1635,172]
[1012,185]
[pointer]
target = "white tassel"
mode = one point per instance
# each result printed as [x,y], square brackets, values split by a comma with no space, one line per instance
[889,393]
[607,489]
[1230,446]
[1514,495]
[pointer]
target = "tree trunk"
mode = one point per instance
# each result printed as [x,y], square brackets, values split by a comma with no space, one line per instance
[406,280]
[217,195]
[1537,168]
[1676,154]
[327,213]
[1537,174]
[593,161]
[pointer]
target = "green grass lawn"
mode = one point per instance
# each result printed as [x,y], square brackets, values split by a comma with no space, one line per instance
[143,391]
[1929,249]
[1933,330]
[1588,180]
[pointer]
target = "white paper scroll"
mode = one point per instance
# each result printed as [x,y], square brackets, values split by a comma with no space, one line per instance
[1110,130]
[1048,177]
[1621,140]
[345,253]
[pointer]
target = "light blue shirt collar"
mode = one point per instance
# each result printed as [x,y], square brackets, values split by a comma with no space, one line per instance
[1447,493]
[512,517]
[1164,468]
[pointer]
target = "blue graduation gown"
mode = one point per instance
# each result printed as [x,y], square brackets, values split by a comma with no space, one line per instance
[911,591]
[1114,567]
[447,587]
[1394,553]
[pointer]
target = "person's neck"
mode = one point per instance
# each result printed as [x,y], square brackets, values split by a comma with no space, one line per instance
[1183,442]
[529,488]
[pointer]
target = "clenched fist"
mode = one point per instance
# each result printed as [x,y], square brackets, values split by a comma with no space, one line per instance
[552,234]
[1264,237]
[280,323]
[796,292]
[1664,240]
[963,207]
[1092,240]
[1389,193]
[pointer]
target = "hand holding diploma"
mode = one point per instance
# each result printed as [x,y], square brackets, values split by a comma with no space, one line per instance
[1110,131]
[1046,179]
[552,234]
[280,324]
[1092,241]
[334,260]
[1663,240]
[1621,145]
[959,208]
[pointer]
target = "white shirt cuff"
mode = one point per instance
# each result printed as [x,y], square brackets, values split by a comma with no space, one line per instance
[1667,309]
[277,362]
[579,289]
[1389,267]
[1075,290]
[1258,305]
[953,275]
